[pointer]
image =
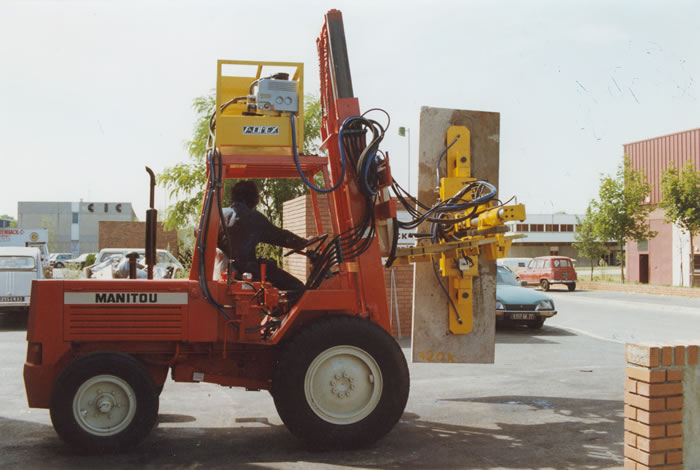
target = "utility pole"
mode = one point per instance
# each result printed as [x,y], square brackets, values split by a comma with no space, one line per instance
[406,132]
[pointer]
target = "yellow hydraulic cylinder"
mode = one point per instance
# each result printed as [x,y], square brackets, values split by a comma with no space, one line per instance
[455,265]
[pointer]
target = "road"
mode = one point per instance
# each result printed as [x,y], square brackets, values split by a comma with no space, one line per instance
[627,317]
[552,400]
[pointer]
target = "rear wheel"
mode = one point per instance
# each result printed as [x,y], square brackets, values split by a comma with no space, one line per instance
[58,265]
[571,286]
[341,382]
[544,284]
[104,402]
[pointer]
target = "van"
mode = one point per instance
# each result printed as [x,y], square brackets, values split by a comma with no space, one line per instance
[19,266]
[548,270]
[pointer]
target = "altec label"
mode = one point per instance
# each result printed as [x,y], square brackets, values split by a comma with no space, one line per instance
[130,298]
[261,130]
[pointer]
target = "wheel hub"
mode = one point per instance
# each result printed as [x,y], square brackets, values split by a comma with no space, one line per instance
[343,385]
[104,405]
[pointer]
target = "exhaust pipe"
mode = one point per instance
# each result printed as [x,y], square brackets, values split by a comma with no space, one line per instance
[151,220]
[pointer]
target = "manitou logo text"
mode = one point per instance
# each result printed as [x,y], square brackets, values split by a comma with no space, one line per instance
[125,298]
[261,130]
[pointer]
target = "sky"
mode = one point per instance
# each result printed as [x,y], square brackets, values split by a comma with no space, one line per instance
[93,91]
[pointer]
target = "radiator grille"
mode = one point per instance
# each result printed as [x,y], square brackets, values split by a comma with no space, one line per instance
[124,323]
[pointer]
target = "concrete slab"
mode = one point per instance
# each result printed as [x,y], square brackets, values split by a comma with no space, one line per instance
[432,339]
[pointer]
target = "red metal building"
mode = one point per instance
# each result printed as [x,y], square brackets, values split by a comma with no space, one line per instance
[664,259]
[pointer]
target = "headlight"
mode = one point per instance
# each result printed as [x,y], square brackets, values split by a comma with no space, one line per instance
[499,305]
[545,305]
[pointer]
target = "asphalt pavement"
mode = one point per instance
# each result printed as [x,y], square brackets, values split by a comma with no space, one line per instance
[553,399]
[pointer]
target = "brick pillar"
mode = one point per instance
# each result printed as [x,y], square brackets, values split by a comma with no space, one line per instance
[660,378]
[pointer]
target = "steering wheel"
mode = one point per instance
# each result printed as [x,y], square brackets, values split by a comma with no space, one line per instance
[308,243]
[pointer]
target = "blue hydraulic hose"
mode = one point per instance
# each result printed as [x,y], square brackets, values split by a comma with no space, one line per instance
[301,173]
[202,271]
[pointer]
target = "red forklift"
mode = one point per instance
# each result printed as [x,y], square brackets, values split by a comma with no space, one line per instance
[99,351]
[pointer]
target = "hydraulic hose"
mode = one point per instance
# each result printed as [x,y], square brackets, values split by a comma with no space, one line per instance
[298,165]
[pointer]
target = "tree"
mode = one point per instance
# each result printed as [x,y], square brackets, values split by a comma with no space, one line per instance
[621,214]
[187,181]
[681,202]
[13,222]
[587,243]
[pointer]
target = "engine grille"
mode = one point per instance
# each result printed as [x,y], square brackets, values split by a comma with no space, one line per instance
[521,307]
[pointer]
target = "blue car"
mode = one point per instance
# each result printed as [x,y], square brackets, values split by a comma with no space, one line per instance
[519,305]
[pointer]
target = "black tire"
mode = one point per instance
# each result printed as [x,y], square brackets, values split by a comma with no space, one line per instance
[58,265]
[105,383]
[323,366]
[571,286]
[544,284]
[536,324]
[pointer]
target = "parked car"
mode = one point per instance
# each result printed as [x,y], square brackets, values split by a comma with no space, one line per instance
[19,266]
[79,262]
[518,305]
[164,259]
[58,260]
[510,270]
[515,264]
[548,270]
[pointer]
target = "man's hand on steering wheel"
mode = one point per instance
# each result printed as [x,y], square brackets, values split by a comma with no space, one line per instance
[308,243]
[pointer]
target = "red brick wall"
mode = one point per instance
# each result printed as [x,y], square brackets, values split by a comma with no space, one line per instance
[297,216]
[654,405]
[133,235]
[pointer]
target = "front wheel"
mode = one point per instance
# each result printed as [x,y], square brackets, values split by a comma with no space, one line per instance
[536,324]
[571,286]
[544,284]
[341,382]
[104,402]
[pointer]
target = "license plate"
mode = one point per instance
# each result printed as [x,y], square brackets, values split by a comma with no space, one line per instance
[522,316]
[11,299]
[565,275]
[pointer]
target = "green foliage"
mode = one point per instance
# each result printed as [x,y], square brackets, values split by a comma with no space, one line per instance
[587,243]
[187,181]
[90,259]
[681,197]
[681,201]
[621,213]
[313,114]
[13,222]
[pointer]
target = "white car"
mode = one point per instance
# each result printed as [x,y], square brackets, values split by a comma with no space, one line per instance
[163,257]
[19,266]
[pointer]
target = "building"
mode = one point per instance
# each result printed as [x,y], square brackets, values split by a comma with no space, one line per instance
[73,226]
[133,235]
[551,234]
[5,223]
[666,258]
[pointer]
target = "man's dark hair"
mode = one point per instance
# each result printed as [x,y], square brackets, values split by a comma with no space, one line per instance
[246,192]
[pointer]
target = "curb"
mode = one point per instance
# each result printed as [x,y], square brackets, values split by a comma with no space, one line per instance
[640,288]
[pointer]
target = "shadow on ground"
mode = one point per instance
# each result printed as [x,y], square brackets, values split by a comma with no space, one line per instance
[13,321]
[577,433]
[521,334]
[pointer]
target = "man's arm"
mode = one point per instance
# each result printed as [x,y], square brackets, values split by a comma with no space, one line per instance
[270,233]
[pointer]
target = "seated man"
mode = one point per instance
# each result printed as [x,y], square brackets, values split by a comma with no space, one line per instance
[246,227]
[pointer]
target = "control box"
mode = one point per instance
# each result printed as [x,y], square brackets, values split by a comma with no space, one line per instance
[273,95]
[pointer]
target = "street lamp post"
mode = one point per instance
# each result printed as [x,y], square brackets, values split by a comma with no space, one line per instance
[406,132]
